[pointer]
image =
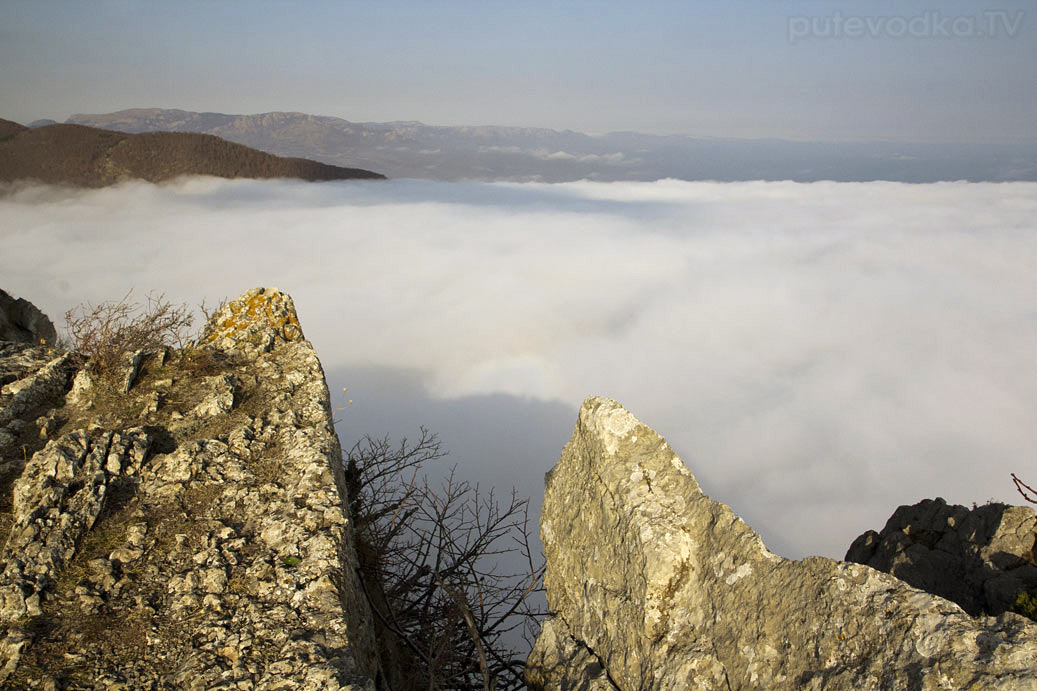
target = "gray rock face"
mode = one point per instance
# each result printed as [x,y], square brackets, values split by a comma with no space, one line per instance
[653,585]
[33,380]
[57,499]
[37,388]
[182,524]
[980,558]
[22,322]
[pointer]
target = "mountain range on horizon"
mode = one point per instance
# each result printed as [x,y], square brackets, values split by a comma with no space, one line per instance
[523,154]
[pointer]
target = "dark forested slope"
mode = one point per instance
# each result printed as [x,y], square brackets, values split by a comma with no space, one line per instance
[90,157]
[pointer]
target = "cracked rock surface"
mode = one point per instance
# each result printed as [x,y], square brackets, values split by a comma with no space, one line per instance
[653,585]
[182,524]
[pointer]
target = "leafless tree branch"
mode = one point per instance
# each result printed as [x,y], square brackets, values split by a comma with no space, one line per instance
[435,552]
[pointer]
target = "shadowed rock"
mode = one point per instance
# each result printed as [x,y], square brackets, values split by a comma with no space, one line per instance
[22,322]
[653,585]
[980,558]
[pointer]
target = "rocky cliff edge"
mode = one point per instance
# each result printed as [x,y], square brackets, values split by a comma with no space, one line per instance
[653,585]
[182,525]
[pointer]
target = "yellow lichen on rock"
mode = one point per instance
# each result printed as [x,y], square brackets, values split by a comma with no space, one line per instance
[260,317]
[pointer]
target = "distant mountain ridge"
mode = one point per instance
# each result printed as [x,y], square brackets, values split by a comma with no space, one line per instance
[92,157]
[413,149]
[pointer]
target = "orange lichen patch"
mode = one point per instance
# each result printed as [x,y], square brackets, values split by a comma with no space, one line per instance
[258,309]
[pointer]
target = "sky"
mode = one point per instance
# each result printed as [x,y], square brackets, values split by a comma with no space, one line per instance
[903,70]
[817,353]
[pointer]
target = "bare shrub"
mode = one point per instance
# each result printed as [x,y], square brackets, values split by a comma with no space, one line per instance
[433,563]
[207,313]
[106,332]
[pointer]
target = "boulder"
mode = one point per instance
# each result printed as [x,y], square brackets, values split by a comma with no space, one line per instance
[22,322]
[253,323]
[981,558]
[653,585]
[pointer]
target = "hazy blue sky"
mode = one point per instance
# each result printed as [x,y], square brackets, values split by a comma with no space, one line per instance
[786,68]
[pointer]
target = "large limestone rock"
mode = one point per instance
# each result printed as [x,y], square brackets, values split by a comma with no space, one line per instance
[981,558]
[22,322]
[182,523]
[653,585]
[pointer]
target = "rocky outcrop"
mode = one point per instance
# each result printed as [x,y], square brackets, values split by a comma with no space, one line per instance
[653,585]
[981,558]
[181,523]
[22,322]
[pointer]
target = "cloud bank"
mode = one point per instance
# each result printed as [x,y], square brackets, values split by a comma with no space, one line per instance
[817,353]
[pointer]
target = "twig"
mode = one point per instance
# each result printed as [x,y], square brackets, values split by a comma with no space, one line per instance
[1019,485]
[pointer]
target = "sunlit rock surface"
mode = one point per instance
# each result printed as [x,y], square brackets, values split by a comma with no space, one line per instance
[653,585]
[181,524]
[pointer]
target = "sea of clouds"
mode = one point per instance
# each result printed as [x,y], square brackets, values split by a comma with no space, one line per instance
[816,353]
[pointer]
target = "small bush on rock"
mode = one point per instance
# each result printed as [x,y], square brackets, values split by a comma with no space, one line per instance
[1026,604]
[108,331]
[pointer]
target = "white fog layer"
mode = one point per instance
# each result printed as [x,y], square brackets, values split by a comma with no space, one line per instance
[817,353]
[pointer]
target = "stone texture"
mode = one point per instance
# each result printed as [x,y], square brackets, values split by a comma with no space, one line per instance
[560,662]
[130,370]
[183,524]
[56,500]
[980,558]
[38,388]
[253,322]
[663,588]
[22,322]
[20,359]
[33,381]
